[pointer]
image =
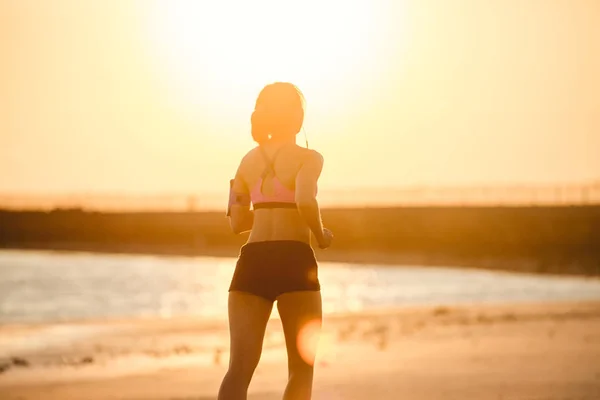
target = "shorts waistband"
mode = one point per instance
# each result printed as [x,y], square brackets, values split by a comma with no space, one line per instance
[279,245]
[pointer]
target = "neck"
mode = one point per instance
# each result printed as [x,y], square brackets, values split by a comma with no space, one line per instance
[283,139]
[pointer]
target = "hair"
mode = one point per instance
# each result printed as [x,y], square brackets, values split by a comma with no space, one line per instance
[279,112]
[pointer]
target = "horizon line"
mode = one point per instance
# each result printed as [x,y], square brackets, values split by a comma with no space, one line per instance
[592,184]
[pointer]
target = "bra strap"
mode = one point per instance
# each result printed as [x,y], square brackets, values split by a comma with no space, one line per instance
[270,167]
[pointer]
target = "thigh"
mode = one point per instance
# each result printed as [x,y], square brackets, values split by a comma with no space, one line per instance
[248,317]
[301,315]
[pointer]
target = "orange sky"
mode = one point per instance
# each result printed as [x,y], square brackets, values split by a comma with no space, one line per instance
[149,96]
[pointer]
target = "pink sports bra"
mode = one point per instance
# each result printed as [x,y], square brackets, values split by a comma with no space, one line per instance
[282,197]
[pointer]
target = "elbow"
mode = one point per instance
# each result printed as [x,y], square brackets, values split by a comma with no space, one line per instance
[306,203]
[241,225]
[239,229]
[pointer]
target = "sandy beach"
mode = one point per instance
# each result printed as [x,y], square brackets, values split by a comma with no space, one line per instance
[526,351]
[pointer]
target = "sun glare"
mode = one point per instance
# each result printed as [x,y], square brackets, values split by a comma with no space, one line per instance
[220,53]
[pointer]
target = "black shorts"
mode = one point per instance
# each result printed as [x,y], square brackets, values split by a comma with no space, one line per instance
[269,269]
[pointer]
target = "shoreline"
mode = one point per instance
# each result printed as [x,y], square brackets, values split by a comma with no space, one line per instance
[583,267]
[469,351]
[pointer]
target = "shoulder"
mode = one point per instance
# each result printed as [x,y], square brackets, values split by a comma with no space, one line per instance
[250,154]
[312,162]
[313,157]
[248,157]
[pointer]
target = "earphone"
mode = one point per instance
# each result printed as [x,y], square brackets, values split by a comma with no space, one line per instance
[305,136]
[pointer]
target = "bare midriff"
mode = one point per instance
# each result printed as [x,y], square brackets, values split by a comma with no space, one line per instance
[279,224]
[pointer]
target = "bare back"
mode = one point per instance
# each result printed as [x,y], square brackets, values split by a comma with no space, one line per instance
[287,165]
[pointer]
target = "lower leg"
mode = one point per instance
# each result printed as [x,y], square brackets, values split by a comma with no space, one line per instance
[299,386]
[234,386]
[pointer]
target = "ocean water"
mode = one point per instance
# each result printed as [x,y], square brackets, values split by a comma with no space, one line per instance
[44,286]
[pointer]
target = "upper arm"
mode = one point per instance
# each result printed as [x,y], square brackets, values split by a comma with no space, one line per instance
[239,185]
[308,176]
[239,202]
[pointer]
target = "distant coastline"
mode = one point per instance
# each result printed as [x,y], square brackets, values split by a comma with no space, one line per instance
[555,240]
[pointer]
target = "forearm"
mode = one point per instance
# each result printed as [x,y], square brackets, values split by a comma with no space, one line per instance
[243,225]
[310,212]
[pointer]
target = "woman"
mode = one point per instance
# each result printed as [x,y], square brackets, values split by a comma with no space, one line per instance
[277,263]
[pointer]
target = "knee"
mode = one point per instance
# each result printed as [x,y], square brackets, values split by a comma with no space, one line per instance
[241,371]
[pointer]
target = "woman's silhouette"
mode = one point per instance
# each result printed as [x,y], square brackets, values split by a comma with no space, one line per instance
[277,263]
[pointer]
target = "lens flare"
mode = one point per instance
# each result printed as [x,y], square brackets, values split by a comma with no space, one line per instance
[308,341]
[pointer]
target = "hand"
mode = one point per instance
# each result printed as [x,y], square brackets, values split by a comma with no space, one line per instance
[325,241]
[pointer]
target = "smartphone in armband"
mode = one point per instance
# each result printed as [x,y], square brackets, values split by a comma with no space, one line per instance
[236,198]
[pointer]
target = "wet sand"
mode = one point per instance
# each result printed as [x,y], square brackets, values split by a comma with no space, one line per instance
[529,352]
